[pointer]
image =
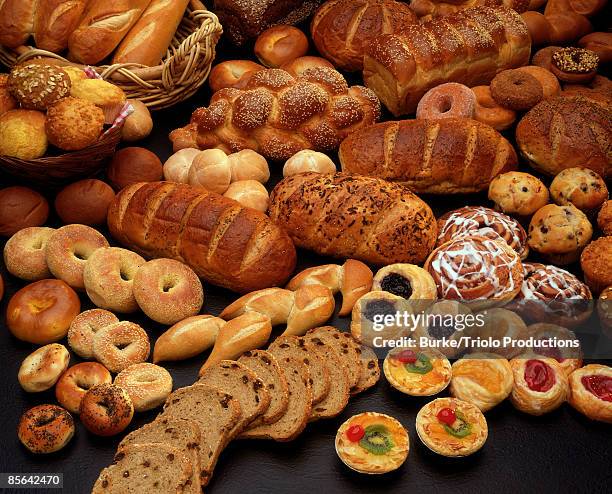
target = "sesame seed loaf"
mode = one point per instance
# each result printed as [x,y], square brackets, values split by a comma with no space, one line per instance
[370,371]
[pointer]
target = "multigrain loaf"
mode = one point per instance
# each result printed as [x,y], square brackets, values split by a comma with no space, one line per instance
[370,371]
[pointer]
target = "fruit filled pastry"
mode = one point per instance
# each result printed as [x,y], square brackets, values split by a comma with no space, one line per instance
[483,379]
[500,323]
[442,328]
[372,443]
[406,280]
[540,385]
[569,358]
[368,318]
[591,391]
[452,427]
[419,372]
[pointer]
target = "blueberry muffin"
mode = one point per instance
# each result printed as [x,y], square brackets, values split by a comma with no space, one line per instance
[604,218]
[518,193]
[596,264]
[579,186]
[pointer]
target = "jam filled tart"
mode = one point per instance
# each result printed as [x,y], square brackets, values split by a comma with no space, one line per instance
[417,372]
[591,391]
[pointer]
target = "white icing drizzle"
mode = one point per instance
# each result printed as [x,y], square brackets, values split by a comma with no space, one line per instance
[551,283]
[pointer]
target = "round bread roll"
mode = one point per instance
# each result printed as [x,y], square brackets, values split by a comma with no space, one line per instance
[232,73]
[299,65]
[106,410]
[38,86]
[147,384]
[139,124]
[45,429]
[168,291]
[41,369]
[74,124]
[249,193]
[308,161]
[41,312]
[120,345]
[249,165]
[23,135]
[86,202]
[176,168]
[20,208]
[211,169]
[84,327]
[133,164]
[25,253]
[279,45]
[7,102]
[74,383]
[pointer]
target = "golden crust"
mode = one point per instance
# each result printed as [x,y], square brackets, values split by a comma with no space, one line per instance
[74,124]
[585,401]
[422,285]
[22,134]
[543,331]
[415,384]
[98,92]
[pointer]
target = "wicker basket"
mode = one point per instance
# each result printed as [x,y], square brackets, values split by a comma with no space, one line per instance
[184,69]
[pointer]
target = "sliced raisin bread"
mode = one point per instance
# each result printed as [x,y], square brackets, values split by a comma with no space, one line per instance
[266,367]
[299,406]
[370,371]
[147,468]
[215,412]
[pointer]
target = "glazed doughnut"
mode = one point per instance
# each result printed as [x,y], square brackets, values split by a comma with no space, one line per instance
[25,253]
[574,65]
[489,111]
[42,312]
[516,90]
[77,380]
[108,275]
[168,291]
[120,345]
[84,327]
[147,384]
[41,369]
[548,80]
[106,410]
[69,248]
[45,429]
[449,100]
[543,57]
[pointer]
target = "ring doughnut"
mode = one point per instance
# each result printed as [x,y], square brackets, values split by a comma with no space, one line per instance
[147,384]
[109,274]
[490,112]
[516,90]
[574,65]
[168,291]
[106,410]
[120,345]
[449,100]
[76,381]
[69,248]
[550,83]
[41,369]
[25,254]
[84,327]
[543,57]
[45,429]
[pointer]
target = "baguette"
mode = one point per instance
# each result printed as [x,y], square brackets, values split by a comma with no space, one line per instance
[226,244]
[102,28]
[16,21]
[447,156]
[55,21]
[148,41]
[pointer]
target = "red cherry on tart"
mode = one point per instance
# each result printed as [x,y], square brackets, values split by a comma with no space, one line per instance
[355,432]
[600,386]
[407,357]
[591,391]
[447,416]
[539,376]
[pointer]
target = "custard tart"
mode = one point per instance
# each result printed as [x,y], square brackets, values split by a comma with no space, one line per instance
[418,372]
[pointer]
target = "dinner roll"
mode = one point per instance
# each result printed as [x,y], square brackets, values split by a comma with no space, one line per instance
[308,161]
[281,44]
[248,165]
[139,124]
[176,168]
[211,169]
[249,193]
[21,207]
[86,202]
[133,164]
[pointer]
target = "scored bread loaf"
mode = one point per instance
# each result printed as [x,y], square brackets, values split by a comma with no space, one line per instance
[437,8]
[446,156]
[469,47]
[16,21]
[365,218]
[226,244]
[55,21]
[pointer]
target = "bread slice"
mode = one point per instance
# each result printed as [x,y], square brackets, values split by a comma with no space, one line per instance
[147,468]
[299,406]
[266,367]
[244,385]
[370,371]
[215,412]
[180,433]
[293,346]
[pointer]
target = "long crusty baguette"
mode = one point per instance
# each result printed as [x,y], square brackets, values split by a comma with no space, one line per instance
[446,156]
[16,21]
[149,39]
[55,21]
[226,244]
[468,47]
[365,218]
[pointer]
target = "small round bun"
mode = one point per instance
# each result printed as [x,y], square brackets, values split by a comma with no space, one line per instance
[41,312]
[120,345]
[7,102]
[23,134]
[41,369]
[299,65]
[596,265]
[211,169]
[250,194]
[25,253]
[176,168]
[168,291]
[37,87]
[86,202]
[581,187]
[74,383]
[139,124]
[604,218]
[279,45]
[45,429]
[232,74]
[84,328]
[106,410]
[74,124]
[132,165]
[20,208]
[308,161]
[249,165]
[147,384]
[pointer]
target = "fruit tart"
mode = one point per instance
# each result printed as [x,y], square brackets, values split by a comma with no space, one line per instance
[418,372]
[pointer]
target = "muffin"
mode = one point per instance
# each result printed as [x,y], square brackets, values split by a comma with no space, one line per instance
[7,102]
[22,134]
[604,218]
[74,124]
[559,233]
[604,311]
[518,193]
[37,87]
[596,263]
[75,74]
[106,96]
[579,186]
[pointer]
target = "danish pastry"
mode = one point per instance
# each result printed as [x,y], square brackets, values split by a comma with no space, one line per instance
[419,372]
[500,324]
[568,357]
[368,324]
[591,391]
[406,280]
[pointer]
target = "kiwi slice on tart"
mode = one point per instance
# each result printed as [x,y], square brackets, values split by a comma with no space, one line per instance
[376,439]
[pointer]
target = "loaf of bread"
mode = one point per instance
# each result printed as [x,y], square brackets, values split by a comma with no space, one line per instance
[54,22]
[437,8]
[346,216]
[278,115]
[226,244]
[468,47]
[16,21]
[446,156]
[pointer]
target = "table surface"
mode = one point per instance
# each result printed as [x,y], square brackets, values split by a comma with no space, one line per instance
[561,451]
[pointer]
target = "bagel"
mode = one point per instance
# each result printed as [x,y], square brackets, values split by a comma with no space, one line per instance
[106,410]
[120,345]
[77,380]
[147,384]
[45,429]
[25,253]
[84,327]
[41,369]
